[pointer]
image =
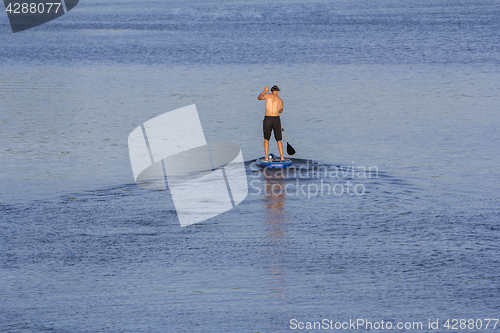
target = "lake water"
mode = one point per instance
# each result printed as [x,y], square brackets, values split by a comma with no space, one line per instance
[407,89]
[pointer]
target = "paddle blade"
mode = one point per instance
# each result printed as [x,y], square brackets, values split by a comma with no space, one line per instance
[289,149]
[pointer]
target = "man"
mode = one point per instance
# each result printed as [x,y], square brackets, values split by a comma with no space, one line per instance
[274,106]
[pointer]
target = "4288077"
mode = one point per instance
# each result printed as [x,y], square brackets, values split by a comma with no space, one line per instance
[33,8]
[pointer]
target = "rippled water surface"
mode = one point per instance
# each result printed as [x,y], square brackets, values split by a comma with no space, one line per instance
[406,90]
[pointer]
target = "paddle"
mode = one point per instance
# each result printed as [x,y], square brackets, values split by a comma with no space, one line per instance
[289,148]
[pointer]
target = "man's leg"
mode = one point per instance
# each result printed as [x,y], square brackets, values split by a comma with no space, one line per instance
[266,148]
[280,147]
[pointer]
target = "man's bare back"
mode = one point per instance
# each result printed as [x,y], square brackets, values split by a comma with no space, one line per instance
[274,104]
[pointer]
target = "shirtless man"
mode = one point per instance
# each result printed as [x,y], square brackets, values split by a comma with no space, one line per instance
[274,106]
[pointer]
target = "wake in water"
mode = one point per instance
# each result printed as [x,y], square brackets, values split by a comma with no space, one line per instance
[310,179]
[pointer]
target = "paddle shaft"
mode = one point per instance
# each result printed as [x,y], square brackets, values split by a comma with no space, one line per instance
[289,148]
[283,130]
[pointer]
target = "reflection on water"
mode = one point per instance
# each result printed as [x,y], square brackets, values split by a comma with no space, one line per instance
[276,232]
[275,204]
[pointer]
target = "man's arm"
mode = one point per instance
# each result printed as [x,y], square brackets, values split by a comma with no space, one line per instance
[262,94]
[281,110]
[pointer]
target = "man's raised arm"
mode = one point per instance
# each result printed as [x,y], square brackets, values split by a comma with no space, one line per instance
[261,95]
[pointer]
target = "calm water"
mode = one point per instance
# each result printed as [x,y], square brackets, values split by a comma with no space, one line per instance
[410,89]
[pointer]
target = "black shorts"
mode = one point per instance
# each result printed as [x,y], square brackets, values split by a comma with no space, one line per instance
[272,124]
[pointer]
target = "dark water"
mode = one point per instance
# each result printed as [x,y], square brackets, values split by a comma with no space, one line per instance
[256,32]
[408,89]
[116,259]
